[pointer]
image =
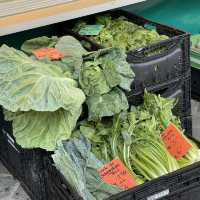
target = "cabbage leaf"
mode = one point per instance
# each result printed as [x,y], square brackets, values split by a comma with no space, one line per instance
[107,105]
[42,129]
[111,65]
[104,76]
[26,84]
[37,43]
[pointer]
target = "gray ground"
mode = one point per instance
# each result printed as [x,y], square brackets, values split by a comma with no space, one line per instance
[196,119]
[10,188]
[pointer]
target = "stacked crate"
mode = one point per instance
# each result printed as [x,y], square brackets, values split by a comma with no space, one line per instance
[195,63]
[167,73]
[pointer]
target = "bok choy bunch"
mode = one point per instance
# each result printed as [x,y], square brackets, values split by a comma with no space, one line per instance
[144,151]
[134,137]
[161,108]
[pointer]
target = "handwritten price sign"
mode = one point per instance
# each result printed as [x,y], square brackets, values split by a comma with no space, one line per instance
[115,173]
[51,53]
[175,142]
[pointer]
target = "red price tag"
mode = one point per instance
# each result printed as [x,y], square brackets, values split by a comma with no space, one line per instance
[175,142]
[51,53]
[115,173]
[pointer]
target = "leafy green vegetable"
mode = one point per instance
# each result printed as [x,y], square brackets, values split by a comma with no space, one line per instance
[161,108]
[73,52]
[112,62]
[107,105]
[146,153]
[31,85]
[102,77]
[64,64]
[97,133]
[79,166]
[45,104]
[42,129]
[134,137]
[37,43]
[122,33]
[92,79]
[68,45]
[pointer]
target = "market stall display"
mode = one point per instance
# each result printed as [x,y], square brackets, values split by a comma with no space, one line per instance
[72,108]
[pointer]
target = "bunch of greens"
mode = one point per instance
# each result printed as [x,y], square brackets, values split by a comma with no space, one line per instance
[79,166]
[143,149]
[104,76]
[161,108]
[134,138]
[122,33]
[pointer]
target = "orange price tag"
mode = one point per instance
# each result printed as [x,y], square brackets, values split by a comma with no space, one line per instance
[115,173]
[51,53]
[175,142]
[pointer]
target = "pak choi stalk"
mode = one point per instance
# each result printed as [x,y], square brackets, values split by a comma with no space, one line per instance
[161,108]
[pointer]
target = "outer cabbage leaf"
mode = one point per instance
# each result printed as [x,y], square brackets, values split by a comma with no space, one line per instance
[42,129]
[9,116]
[106,105]
[79,166]
[68,70]
[70,46]
[27,85]
[73,52]
[37,43]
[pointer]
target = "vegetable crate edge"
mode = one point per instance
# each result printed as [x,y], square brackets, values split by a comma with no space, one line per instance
[195,83]
[183,184]
[25,165]
[179,89]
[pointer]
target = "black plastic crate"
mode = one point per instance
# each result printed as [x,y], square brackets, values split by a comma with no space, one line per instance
[26,165]
[183,184]
[179,88]
[186,123]
[152,70]
[195,83]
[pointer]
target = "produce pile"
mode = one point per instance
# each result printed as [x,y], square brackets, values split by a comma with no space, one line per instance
[131,136]
[43,97]
[62,98]
[121,33]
